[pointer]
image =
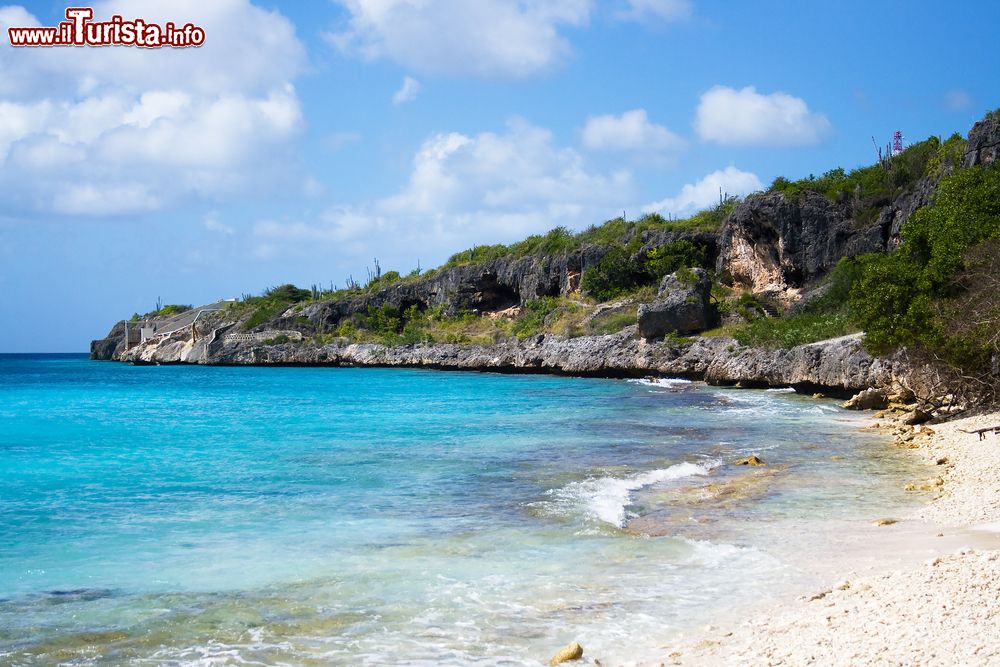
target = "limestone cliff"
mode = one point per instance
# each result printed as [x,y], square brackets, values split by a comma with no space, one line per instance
[839,366]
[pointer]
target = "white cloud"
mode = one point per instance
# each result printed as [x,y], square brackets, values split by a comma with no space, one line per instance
[508,38]
[468,189]
[704,193]
[407,92]
[631,131]
[663,10]
[957,100]
[212,223]
[746,117]
[112,131]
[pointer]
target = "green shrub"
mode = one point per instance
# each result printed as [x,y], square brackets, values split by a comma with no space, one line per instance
[616,273]
[265,311]
[533,320]
[288,294]
[668,258]
[901,298]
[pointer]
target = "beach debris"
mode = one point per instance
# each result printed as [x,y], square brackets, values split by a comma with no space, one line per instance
[836,457]
[749,461]
[817,596]
[842,585]
[569,653]
[885,522]
[941,461]
[819,395]
[868,399]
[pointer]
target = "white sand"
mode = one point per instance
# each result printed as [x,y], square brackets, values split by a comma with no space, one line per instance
[941,610]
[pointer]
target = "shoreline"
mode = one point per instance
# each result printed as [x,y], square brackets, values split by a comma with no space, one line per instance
[929,592]
[837,367]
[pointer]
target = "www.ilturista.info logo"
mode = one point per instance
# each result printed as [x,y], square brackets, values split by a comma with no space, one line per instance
[79,30]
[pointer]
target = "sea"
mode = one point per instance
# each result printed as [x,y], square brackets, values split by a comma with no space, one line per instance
[190,515]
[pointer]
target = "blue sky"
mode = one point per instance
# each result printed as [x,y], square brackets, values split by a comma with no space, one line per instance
[303,140]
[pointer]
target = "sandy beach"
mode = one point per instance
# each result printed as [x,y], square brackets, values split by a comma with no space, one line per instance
[935,599]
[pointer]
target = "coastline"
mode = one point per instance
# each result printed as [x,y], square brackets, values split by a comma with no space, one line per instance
[837,367]
[931,592]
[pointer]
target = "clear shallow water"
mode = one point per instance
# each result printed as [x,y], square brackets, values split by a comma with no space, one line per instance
[179,515]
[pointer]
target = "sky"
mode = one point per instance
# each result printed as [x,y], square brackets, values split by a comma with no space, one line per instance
[305,140]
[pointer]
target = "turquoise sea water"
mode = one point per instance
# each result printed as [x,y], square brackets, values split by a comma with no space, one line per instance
[313,516]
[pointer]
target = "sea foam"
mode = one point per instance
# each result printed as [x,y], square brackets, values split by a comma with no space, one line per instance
[670,383]
[607,499]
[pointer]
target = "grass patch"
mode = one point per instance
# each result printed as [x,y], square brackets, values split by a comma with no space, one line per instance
[610,323]
[793,330]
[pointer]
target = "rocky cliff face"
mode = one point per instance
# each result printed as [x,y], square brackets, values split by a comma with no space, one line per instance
[983,145]
[838,367]
[771,243]
[480,288]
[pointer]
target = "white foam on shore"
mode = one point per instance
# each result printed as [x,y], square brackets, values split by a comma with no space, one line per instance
[661,382]
[607,498]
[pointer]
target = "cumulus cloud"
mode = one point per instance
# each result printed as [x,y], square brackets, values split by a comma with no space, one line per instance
[407,92]
[631,131]
[704,193]
[507,38]
[467,189]
[746,117]
[112,131]
[663,10]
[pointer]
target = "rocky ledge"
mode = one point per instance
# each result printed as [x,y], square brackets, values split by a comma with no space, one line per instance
[837,367]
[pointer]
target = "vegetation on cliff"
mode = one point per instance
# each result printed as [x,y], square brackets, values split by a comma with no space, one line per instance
[938,290]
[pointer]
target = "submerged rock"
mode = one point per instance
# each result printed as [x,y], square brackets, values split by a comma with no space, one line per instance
[749,461]
[569,653]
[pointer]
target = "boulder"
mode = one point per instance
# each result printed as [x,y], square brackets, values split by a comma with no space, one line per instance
[682,306]
[916,416]
[868,399]
[903,396]
[572,652]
